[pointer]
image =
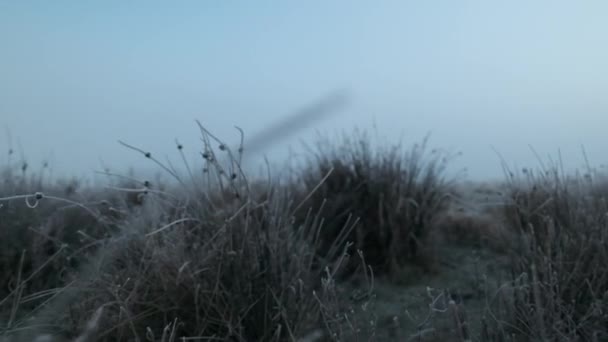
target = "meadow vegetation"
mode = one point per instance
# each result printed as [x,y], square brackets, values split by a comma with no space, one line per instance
[360,243]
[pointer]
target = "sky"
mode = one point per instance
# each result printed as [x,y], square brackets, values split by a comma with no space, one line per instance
[481,77]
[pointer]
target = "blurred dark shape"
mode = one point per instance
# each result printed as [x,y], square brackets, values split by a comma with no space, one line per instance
[328,105]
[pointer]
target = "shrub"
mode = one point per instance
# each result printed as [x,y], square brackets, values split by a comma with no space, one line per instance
[207,258]
[388,195]
[559,289]
[42,240]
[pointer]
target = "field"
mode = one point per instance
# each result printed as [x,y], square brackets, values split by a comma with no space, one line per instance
[359,243]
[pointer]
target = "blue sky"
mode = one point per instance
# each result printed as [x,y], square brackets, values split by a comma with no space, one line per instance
[76,76]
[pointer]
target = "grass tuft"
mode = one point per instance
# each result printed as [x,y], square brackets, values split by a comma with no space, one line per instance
[390,195]
[559,288]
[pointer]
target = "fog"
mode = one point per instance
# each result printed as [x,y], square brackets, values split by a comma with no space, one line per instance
[479,76]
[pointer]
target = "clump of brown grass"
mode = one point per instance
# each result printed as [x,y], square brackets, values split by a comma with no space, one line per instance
[391,194]
[210,257]
[559,289]
[46,230]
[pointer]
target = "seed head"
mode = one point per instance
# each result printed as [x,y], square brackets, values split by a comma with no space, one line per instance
[148,155]
[180,147]
[222,147]
[233,176]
